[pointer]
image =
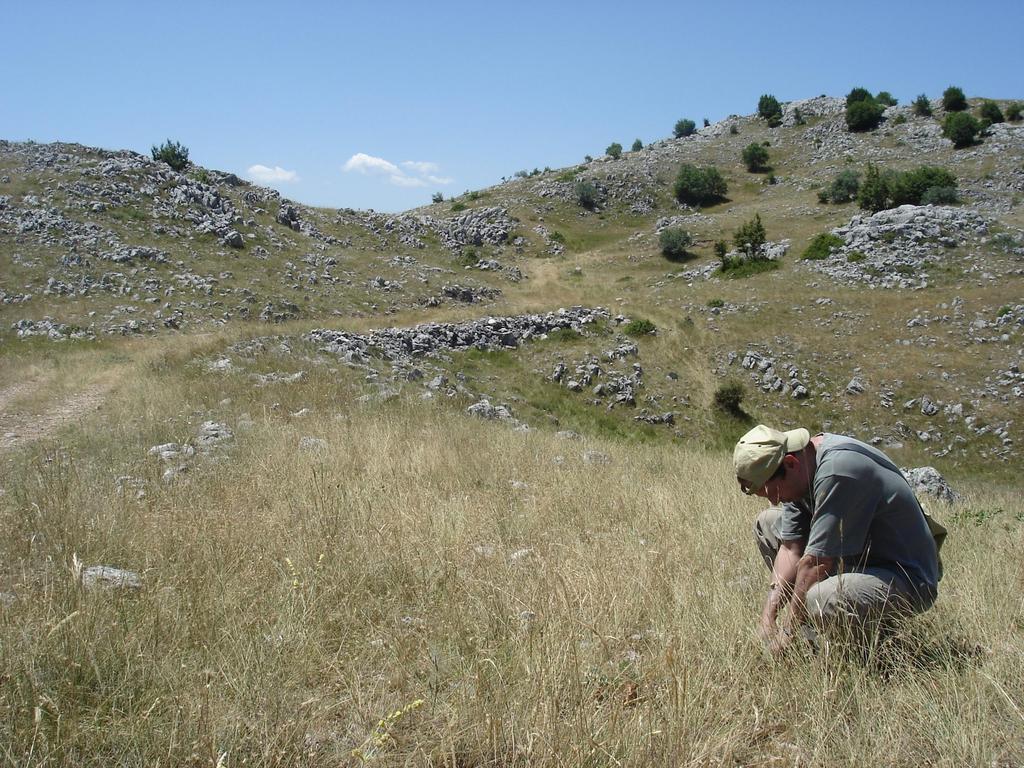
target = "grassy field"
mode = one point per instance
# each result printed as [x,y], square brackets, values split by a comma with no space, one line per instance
[423,588]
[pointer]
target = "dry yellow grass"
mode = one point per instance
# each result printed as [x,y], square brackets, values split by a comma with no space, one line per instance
[544,610]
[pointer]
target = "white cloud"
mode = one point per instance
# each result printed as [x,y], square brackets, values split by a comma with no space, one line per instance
[277,174]
[364,164]
[406,181]
[412,173]
[421,167]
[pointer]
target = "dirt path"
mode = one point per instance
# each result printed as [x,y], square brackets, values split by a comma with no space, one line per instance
[18,426]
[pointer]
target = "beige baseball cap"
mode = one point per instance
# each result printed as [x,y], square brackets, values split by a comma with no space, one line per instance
[759,453]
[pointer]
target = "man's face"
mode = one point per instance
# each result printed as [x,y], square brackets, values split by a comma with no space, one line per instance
[789,485]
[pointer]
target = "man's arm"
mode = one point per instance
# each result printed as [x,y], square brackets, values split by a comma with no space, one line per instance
[810,570]
[784,575]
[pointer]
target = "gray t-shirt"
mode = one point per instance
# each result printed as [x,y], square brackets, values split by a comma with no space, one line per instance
[863,512]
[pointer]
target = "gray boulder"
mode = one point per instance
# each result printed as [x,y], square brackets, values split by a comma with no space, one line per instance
[928,481]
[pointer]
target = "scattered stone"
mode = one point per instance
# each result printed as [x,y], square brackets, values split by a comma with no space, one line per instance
[108,577]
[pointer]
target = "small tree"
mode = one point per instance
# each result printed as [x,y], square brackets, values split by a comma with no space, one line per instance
[638,145]
[922,106]
[874,192]
[172,153]
[750,237]
[953,99]
[961,128]
[858,94]
[706,122]
[990,111]
[437,197]
[674,241]
[1013,112]
[587,195]
[863,115]
[699,186]
[721,248]
[683,128]
[886,99]
[614,150]
[755,157]
[768,108]
[798,117]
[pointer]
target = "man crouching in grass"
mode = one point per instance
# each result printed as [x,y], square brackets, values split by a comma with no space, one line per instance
[847,542]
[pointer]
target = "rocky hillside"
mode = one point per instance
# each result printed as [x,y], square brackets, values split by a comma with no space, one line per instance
[907,331]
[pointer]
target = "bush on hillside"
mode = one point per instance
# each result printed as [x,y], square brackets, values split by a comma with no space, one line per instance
[844,187]
[886,99]
[587,195]
[614,150]
[721,248]
[768,108]
[699,186]
[863,115]
[637,145]
[706,122]
[172,153]
[750,237]
[639,327]
[990,111]
[674,241]
[940,196]
[733,129]
[755,157]
[961,128]
[953,99]
[728,398]
[909,187]
[1013,112]
[858,94]
[437,197]
[684,127]
[920,186]
[922,106]
[821,246]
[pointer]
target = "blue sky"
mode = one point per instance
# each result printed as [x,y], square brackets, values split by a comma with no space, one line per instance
[380,104]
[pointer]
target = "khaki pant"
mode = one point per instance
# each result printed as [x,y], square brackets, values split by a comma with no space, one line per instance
[860,600]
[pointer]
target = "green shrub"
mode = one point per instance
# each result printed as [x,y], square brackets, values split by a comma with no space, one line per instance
[940,196]
[858,94]
[674,241]
[855,256]
[684,127]
[922,106]
[456,207]
[437,197]
[864,115]
[614,150]
[953,99]
[798,117]
[172,153]
[844,187]
[721,248]
[900,119]
[728,398]
[885,99]
[961,128]
[699,186]
[639,327]
[874,192]
[736,268]
[750,237]
[557,237]
[587,195]
[755,157]
[734,129]
[990,111]
[1013,112]
[911,186]
[637,145]
[715,304]
[821,246]
[768,107]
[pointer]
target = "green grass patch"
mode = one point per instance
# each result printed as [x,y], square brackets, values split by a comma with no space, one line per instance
[639,327]
[737,269]
[821,245]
